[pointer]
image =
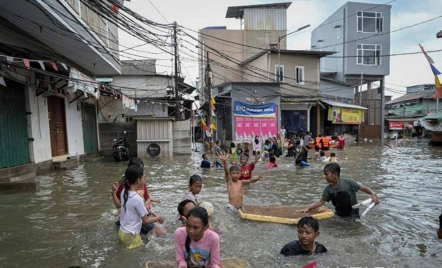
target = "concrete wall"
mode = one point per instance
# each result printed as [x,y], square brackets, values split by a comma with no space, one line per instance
[110,108]
[74,128]
[345,46]
[150,86]
[338,90]
[182,143]
[40,148]
[311,72]
[383,40]
[110,131]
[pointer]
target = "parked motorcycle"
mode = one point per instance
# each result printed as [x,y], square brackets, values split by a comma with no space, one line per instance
[121,149]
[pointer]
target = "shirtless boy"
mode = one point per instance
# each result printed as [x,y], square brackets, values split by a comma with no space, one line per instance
[234,185]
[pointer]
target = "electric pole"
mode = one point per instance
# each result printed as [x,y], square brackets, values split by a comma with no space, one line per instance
[208,78]
[176,60]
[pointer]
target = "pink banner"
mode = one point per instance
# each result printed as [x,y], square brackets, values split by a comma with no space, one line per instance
[246,128]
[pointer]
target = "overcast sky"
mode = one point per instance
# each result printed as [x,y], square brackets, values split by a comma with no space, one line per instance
[404,70]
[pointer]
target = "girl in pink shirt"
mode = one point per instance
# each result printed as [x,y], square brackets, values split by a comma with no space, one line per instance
[196,245]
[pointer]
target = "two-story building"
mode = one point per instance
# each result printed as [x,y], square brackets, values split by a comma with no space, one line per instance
[360,35]
[251,71]
[50,53]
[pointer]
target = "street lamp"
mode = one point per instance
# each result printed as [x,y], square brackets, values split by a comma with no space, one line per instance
[279,47]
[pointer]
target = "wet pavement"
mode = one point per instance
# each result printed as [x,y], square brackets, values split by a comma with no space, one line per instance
[69,219]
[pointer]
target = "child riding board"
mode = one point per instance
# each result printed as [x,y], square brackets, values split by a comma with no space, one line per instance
[341,192]
[234,185]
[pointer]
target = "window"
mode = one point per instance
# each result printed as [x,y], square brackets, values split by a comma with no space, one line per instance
[279,73]
[369,22]
[368,54]
[299,74]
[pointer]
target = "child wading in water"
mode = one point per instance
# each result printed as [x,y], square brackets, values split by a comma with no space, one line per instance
[118,188]
[133,212]
[308,231]
[341,192]
[195,244]
[246,169]
[234,185]
[195,186]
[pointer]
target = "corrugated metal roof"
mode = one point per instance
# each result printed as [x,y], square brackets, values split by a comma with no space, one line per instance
[413,96]
[434,116]
[257,19]
[238,11]
[345,105]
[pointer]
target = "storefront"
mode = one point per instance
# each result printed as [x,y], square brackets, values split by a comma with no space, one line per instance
[343,117]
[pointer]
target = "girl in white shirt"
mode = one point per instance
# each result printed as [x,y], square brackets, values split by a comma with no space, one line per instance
[133,211]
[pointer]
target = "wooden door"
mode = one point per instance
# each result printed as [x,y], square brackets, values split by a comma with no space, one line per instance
[57,126]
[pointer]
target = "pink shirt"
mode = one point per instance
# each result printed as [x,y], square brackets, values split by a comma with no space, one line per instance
[204,253]
[272,165]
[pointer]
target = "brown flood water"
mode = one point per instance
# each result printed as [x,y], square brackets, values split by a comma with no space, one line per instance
[69,219]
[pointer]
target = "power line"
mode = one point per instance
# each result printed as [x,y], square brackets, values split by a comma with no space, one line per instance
[158,11]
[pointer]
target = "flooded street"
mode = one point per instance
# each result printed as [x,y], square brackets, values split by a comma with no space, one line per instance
[69,219]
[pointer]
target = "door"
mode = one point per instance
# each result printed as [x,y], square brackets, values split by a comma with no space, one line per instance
[90,129]
[57,126]
[294,121]
[14,145]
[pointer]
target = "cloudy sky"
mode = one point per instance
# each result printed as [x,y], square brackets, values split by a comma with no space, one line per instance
[404,70]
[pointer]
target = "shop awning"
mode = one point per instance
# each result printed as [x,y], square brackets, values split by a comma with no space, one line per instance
[342,104]
[434,116]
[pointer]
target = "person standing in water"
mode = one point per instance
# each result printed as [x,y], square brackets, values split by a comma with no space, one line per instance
[196,245]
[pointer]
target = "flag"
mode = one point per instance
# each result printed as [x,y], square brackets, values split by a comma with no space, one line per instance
[42,65]
[430,60]
[438,91]
[204,125]
[26,62]
[54,65]
[213,126]
[2,81]
[64,66]
[212,100]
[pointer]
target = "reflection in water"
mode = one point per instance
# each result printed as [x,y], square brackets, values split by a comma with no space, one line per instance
[69,220]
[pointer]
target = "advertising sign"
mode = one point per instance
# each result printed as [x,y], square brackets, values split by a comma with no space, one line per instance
[342,115]
[396,125]
[247,127]
[248,110]
[153,150]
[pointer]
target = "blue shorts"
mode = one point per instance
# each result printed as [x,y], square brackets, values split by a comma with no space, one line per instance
[145,228]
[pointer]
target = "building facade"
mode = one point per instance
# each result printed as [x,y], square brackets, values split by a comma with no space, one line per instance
[51,53]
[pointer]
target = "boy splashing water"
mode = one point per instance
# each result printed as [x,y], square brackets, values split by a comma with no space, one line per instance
[234,185]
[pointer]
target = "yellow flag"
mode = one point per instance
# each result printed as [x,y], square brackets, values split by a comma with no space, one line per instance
[212,101]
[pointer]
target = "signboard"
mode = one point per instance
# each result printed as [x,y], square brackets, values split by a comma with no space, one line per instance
[247,110]
[342,115]
[246,128]
[153,150]
[396,125]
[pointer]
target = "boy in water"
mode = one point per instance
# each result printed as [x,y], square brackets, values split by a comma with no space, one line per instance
[308,231]
[333,158]
[217,153]
[206,163]
[246,170]
[234,185]
[341,192]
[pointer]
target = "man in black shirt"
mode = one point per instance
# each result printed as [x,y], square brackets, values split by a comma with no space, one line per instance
[308,231]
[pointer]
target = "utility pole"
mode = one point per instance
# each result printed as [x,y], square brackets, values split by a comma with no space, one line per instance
[382,109]
[176,60]
[360,102]
[208,81]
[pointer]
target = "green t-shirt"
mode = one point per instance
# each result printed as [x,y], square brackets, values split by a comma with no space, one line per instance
[343,197]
